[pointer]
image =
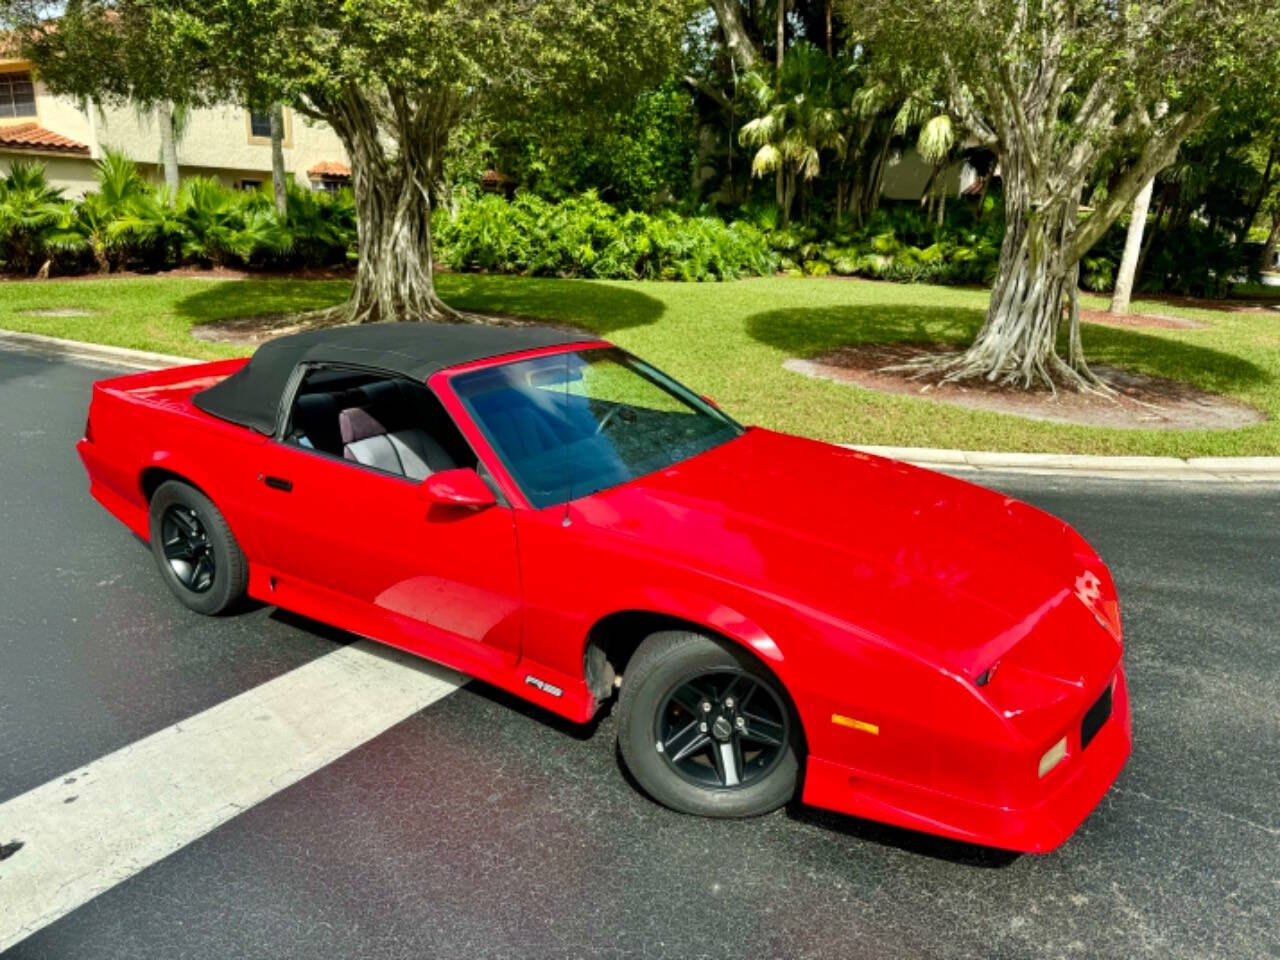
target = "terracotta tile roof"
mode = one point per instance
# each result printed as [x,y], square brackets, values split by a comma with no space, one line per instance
[32,136]
[327,168]
[494,178]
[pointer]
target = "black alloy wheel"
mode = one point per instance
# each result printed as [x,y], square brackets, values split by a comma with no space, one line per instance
[706,728]
[722,728]
[198,556]
[187,548]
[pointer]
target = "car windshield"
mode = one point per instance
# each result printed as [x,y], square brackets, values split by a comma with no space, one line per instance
[569,424]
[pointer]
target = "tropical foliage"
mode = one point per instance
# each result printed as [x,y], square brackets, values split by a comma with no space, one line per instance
[128,222]
[585,237]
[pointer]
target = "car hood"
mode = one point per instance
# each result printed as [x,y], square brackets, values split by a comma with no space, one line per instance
[941,568]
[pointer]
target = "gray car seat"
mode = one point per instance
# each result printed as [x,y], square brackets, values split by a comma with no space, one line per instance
[375,436]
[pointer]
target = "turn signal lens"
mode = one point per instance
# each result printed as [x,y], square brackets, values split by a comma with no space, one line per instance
[1053,756]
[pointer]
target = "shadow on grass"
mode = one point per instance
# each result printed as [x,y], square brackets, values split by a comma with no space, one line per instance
[806,332]
[232,299]
[1164,357]
[809,332]
[593,305]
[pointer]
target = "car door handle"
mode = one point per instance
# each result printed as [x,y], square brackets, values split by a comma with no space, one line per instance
[276,483]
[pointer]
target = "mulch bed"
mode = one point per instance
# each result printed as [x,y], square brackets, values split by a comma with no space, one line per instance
[1143,403]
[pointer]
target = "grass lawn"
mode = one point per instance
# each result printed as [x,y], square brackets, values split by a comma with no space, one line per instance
[729,340]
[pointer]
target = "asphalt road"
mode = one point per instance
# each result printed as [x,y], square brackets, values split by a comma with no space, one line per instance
[481,827]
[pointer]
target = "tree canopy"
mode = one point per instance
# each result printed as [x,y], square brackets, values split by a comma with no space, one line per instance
[392,77]
[1069,83]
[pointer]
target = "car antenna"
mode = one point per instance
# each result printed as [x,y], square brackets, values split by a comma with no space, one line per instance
[568,460]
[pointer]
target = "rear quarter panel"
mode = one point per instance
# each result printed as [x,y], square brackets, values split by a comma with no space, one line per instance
[146,421]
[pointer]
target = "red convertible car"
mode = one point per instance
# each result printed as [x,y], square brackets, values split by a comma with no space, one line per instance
[547,512]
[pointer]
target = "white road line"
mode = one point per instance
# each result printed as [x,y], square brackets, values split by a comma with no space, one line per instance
[95,827]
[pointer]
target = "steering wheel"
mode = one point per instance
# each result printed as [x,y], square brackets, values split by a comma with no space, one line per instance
[617,411]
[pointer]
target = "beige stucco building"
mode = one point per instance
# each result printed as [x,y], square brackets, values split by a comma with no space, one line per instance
[225,142]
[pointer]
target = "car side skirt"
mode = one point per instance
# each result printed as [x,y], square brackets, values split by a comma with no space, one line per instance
[537,683]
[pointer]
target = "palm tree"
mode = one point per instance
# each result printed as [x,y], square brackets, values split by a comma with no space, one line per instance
[30,210]
[152,227]
[935,143]
[795,121]
[211,216]
[119,183]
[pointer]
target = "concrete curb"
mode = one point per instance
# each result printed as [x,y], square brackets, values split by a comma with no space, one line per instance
[96,352]
[1212,469]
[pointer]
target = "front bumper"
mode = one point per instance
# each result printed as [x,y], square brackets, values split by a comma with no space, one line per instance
[1037,828]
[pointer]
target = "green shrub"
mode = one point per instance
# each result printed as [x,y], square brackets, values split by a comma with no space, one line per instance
[585,237]
[128,222]
[32,214]
[900,244]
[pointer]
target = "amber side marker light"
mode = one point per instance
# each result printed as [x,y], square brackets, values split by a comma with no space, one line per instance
[1053,756]
[842,721]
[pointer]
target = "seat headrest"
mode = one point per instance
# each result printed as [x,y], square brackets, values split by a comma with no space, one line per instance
[357,423]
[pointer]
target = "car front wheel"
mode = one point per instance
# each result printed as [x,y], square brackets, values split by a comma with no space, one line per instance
[705,728]
[195,550]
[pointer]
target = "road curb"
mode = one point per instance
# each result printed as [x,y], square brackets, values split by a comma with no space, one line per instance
[1211,469]
[99,352]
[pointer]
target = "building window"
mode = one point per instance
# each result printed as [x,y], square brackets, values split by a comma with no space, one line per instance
[328,186]
[17,95]
[249,185]
[257,127]
[259,124]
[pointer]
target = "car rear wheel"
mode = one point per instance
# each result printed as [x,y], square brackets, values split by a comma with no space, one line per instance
[706,729]
[195,550]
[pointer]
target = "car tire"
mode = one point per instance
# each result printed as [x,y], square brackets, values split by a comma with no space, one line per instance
[195,550]
[657,699]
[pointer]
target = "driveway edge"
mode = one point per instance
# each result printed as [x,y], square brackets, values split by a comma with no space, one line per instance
[98,352]
[1212,469]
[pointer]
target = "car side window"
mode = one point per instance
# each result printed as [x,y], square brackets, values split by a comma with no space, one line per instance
[389,424]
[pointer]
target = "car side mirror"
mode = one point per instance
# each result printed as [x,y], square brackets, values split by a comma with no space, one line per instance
[457,488]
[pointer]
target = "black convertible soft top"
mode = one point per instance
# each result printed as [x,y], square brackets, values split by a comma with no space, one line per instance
[251,396]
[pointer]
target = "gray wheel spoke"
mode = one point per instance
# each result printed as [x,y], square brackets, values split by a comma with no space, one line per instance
[695,744]
[730,763]
[710,747]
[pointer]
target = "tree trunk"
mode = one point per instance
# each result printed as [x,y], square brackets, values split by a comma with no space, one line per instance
[782,37]
[786,194]
[1128,270]
[736,37]
[168,144]
[1157,225]
[876,187]
[1035,281]
[395,279]
[827,12]
[1273,242]
[278,185]
[1016,342]
[1264,187]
